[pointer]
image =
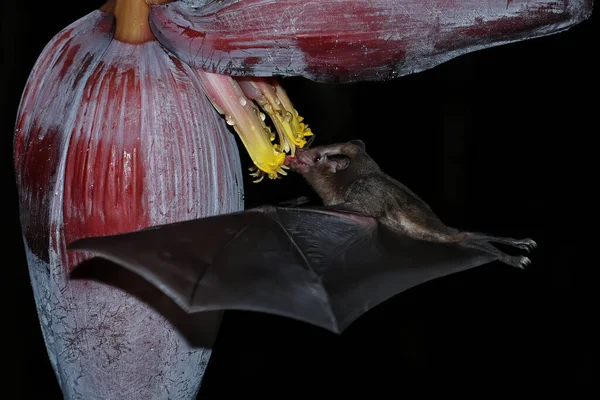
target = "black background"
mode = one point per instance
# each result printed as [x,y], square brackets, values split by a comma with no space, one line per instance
[501,141]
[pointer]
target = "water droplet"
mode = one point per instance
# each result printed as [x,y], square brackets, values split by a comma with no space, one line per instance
[277,101]
[230,120]
[262,116]
[242,101]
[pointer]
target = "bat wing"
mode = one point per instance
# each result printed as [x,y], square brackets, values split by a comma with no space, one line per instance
[321,266]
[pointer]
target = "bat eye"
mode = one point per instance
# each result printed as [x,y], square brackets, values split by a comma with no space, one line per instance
[317,158]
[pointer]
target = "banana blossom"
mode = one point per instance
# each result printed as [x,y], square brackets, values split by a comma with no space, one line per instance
[124,124]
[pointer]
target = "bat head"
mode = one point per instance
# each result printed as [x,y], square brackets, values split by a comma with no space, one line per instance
[328,159]
[331,168]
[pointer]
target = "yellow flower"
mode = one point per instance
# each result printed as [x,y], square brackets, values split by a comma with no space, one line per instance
[239,101]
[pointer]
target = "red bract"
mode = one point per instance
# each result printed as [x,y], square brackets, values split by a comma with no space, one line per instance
[114,137]
[350,40]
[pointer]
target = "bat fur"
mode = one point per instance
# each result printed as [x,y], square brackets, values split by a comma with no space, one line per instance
[344,175]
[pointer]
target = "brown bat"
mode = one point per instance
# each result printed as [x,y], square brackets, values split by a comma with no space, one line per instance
[372,239]
[344,175]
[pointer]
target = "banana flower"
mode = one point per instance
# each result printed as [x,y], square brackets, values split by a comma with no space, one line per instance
[128,121]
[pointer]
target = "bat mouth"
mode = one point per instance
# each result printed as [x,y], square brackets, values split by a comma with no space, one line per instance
[295,162]
[298,158]
[300,163]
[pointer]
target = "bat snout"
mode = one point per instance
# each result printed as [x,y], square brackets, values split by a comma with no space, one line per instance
[304,158]
[297,166]
[300,164]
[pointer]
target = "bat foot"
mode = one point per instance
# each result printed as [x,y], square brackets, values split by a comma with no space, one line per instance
[523,262]
[526,244]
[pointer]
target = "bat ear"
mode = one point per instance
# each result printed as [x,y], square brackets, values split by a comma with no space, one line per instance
[338,162]
[358,143]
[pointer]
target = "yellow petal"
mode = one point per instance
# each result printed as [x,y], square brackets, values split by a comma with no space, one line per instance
[244,116]
[272,98]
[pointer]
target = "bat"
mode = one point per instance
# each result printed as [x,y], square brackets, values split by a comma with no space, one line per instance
[327,265]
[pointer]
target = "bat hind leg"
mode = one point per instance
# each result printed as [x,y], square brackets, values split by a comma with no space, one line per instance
[484,242]
[523,244]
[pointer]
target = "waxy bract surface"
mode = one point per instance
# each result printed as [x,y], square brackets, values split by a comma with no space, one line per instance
[112,138]
[349,40]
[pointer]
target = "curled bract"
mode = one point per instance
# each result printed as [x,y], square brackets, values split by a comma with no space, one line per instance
[114,137]
[349,40]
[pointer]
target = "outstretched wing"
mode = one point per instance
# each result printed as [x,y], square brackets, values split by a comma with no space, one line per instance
[323,266]
[245,261]
[360,263]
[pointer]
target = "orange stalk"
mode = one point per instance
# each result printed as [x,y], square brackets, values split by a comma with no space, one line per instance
[131,17]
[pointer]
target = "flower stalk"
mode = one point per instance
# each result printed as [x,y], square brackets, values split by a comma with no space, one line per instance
[131,20]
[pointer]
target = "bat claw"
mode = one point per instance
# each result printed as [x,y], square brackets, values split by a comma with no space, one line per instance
[526,244]
[524,262]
